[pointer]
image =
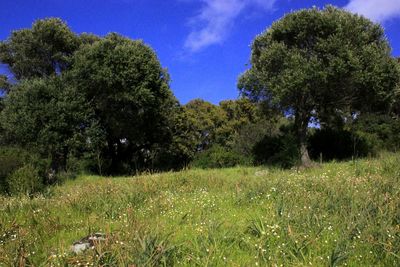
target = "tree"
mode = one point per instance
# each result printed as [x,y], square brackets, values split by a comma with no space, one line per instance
[4,88]
[219,124]
[316,62]
[47,116]
[41,51]
[42,111]
[4,85]
[182,146]
[110,95]
[239,114]
[129,92]
[206,119]
[395,107]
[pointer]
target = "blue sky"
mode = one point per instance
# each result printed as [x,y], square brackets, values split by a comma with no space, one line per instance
[204,44]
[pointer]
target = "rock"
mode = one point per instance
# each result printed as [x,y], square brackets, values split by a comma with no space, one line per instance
[79,247]
[87,242]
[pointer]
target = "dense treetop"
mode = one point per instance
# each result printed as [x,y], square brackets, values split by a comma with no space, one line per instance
[41,51]
[314,62]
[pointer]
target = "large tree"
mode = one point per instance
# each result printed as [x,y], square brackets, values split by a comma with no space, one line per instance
[314,62]
[42,109]
[106,96]
[109,94]
[129,92]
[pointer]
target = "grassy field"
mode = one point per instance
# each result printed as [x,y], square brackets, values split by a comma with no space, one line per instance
[337,214]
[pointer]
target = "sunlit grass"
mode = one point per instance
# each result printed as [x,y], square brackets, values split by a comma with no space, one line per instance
[335,214]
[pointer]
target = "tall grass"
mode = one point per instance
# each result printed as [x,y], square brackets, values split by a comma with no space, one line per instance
[338,214]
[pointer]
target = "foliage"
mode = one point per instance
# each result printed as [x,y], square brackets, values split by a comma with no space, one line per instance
[239,113]
[103,105]
[267,141]
[380,129]
[339,144]
[231,128]
[93,99]
[11,159]
[41,51]
[219,157]
[205,119]
[4,85]
[315,62]
[220,124]
[87,97]
[47,116]
[127,89]
[365,134]
[25,180]
[277,149]
[250,134]
[181,150]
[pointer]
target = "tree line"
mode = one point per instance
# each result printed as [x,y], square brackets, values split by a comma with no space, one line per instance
[82,102]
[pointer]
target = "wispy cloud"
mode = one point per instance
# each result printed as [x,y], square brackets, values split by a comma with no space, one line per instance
[376,10]
[215,19]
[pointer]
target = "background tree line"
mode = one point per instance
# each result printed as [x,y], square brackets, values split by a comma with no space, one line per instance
[85,103]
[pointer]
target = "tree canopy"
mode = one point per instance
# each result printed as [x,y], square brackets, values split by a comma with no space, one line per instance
[316,62]
[107,95]
[41,51]
[47,116]
[129,92]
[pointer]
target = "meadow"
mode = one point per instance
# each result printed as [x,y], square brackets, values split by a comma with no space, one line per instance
[335,214]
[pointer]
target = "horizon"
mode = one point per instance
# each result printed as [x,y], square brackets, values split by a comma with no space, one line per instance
[197,39]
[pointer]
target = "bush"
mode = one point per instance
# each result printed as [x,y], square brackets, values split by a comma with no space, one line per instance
[25,180]
[379,130]
[251,134]
[279,150]
[339,144]
[14,158]
[11,159]
[219,157]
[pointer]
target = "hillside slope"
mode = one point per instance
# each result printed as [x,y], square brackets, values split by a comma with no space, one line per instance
[335,214]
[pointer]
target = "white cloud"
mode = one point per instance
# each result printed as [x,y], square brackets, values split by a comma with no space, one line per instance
[376,10]
[216,17]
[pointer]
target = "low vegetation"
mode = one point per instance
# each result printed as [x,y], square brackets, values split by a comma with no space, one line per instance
[345,214]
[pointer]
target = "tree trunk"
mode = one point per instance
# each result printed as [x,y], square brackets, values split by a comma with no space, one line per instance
[301,124]
[59,161]
[112,155]
[304,157]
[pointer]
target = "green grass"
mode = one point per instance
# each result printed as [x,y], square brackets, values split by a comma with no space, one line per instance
[337,214]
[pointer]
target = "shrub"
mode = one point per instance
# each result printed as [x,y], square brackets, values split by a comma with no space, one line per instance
[379,130]
[11,159]
[25,180]
[219,157]
[279,150]
[251,134]
[339,144]
[14,158]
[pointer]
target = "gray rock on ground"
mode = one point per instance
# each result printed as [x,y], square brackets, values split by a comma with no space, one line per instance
[88,242]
